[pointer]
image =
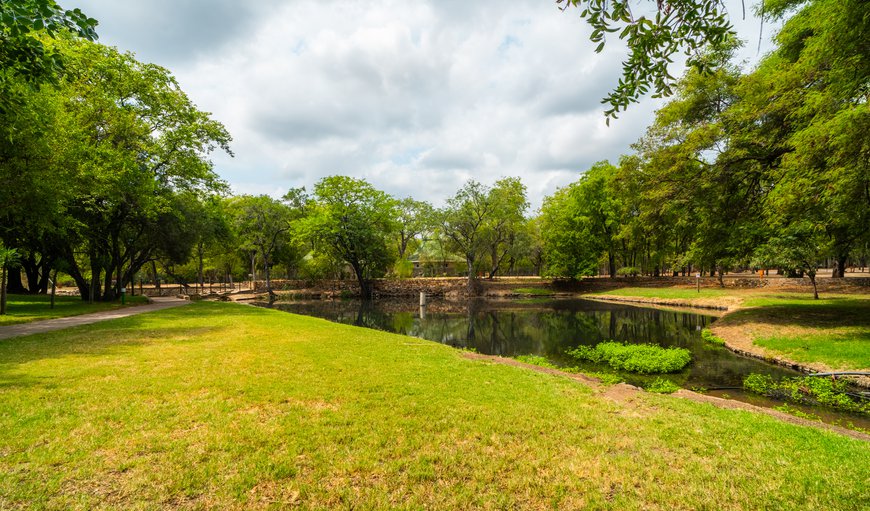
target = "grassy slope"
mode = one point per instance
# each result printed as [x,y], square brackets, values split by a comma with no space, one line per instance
[834,331]
[222,405]
[27,308]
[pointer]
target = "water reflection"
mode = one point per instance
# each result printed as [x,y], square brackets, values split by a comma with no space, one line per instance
[548,328]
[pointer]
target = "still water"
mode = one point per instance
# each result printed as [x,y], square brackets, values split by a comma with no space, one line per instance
[550,327]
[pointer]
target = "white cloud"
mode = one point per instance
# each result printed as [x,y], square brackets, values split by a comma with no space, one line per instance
[414,96]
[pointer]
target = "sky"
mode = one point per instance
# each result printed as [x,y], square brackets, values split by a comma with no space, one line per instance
[415,97]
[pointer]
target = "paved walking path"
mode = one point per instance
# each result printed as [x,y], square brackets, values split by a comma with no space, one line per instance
[49,325]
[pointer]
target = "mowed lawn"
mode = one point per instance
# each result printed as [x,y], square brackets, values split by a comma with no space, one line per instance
[227,406]
[27,308]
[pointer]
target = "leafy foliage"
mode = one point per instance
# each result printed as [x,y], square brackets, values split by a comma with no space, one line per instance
[807,390]
[636,358]
[686,26]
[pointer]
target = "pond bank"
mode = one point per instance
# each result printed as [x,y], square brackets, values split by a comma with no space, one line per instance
[740,328]
[623,392]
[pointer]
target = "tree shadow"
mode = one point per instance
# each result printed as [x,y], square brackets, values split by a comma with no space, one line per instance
[828,314]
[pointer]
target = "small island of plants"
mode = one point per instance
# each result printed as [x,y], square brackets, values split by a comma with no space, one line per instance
[635,358]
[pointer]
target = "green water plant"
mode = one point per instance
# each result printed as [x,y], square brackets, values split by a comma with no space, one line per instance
[662,386]
[808,390]
[708,336]
[635,358]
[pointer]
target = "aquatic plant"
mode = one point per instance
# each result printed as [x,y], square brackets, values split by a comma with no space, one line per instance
[708,336]
[662,386]
[636,358]
[810,390]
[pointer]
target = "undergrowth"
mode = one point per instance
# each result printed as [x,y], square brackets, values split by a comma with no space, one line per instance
[808,390]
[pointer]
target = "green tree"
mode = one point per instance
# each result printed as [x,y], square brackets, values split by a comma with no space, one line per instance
[132,142]
[414,218]
[687,26]
[463,223]
[506,220]
[264,225]
[23,54]
[354,222]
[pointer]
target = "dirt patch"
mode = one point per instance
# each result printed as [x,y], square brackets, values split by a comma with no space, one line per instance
[724,303]
[628,394]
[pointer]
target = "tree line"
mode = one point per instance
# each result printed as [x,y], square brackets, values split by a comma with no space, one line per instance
[767,168]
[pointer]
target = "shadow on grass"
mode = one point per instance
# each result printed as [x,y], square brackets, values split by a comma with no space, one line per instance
[830,313]
[186,323]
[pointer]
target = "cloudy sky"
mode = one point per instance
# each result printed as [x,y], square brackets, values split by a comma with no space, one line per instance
[414,96]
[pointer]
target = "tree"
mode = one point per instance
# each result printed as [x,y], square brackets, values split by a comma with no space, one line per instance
[132,142]
[414,218]
[263,224]
[505,221]
[799,247]
[23,53]
[8,257]
[570,248]
[678,25]
[463,221]
[354,222]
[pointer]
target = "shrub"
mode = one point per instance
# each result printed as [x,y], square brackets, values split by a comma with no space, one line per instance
[628,271]
[811,390]
[635,358]
[708,336]
[662,386]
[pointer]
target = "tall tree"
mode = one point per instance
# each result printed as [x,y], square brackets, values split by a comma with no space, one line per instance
[506,220]
[463,222]
[263,224]
[354,222]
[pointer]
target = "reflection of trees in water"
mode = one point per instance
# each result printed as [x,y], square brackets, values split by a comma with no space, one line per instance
[546,330]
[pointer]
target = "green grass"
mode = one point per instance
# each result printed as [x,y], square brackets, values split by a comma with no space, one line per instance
[834,330]
[27,308]
[533,291]
[666,292]
[226,406]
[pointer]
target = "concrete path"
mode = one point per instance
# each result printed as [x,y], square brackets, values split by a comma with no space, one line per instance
[49,325]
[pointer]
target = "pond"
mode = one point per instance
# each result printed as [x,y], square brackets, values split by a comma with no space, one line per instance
[548,328]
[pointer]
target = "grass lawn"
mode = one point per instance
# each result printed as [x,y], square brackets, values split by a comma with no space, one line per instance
[834,331]
[534,291]
[666,292]
[27,308]
[226,406]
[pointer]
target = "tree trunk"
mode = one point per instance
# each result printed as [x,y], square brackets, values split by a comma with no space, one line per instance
[3,290]
[473,284]
[839,271]
[812,276]
[199,251]
[611,264]
[268,281]
[14,283]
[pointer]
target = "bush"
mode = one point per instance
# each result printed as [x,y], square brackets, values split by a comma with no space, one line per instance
[708,336]
[628,271]
[635,358]
[662,386]
[810,390]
